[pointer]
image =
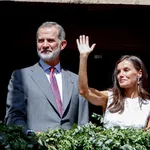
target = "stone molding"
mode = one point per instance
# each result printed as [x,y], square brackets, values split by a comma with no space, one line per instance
[132,2]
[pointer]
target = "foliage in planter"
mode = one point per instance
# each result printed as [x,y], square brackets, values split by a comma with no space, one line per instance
[77,138]
[91,137]
[87,137]
[12,137]
[57,139]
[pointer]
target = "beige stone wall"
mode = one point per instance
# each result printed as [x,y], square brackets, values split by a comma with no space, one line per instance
[135,2]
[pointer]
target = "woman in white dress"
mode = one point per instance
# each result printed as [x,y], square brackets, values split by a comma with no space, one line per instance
[127,103]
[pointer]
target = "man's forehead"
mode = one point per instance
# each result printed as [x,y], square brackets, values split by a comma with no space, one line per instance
[52,31]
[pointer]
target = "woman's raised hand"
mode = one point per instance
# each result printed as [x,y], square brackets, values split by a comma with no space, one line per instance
[83,45]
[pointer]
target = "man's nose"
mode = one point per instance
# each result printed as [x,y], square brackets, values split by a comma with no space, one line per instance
[45,44]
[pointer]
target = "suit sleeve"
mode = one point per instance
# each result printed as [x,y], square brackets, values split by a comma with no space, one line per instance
[83,114]
[16,101]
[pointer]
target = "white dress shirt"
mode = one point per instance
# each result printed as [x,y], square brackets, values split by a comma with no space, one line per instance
[57,74]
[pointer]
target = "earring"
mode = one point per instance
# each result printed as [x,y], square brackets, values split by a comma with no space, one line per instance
[138,82]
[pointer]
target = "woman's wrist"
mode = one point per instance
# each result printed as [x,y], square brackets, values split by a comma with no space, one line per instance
[84,55]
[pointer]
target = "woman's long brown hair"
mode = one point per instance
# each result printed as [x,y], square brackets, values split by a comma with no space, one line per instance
[117,104]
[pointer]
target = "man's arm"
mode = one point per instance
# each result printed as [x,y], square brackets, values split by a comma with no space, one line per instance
[83,112]
[16,101]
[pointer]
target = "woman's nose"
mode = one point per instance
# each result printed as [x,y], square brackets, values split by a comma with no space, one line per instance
[121,73]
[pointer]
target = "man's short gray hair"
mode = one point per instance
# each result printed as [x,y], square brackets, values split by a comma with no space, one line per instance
[48,24]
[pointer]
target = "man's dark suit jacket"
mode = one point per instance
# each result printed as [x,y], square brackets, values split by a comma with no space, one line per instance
[31,103]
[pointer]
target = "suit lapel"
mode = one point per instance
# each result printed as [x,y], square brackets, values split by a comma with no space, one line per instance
[67,86]
[42,82]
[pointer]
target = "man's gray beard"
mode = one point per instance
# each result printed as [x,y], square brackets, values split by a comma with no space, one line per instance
[51,56]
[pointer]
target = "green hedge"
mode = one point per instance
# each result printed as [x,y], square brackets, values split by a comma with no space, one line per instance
[87,137]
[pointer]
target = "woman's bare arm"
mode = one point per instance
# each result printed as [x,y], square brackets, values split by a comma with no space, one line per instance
[148,124]
[94,96]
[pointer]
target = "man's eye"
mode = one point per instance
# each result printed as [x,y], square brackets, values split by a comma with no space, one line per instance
[40,40]
[50,40]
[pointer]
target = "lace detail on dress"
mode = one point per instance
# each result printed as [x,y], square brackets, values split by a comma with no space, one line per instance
[134,115]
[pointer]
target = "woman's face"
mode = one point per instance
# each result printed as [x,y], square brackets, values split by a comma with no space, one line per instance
[127,75]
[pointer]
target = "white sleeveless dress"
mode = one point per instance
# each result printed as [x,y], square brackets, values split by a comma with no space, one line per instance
[133,115]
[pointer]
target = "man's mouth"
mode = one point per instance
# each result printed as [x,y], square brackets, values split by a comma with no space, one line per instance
[46,51]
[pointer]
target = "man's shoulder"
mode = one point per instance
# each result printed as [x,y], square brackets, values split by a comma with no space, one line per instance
[25,69]
[30,67]
[71,73]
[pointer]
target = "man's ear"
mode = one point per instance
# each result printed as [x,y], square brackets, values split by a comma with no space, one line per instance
[63,44]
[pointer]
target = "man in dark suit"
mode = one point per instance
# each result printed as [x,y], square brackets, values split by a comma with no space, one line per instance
[32,100]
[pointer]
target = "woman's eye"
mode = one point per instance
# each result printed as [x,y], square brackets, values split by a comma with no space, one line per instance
[126,69]
[118,72]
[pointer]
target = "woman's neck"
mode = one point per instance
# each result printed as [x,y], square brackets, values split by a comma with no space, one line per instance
[131,93]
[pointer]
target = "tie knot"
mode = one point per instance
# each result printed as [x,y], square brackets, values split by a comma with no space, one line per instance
[52,69]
